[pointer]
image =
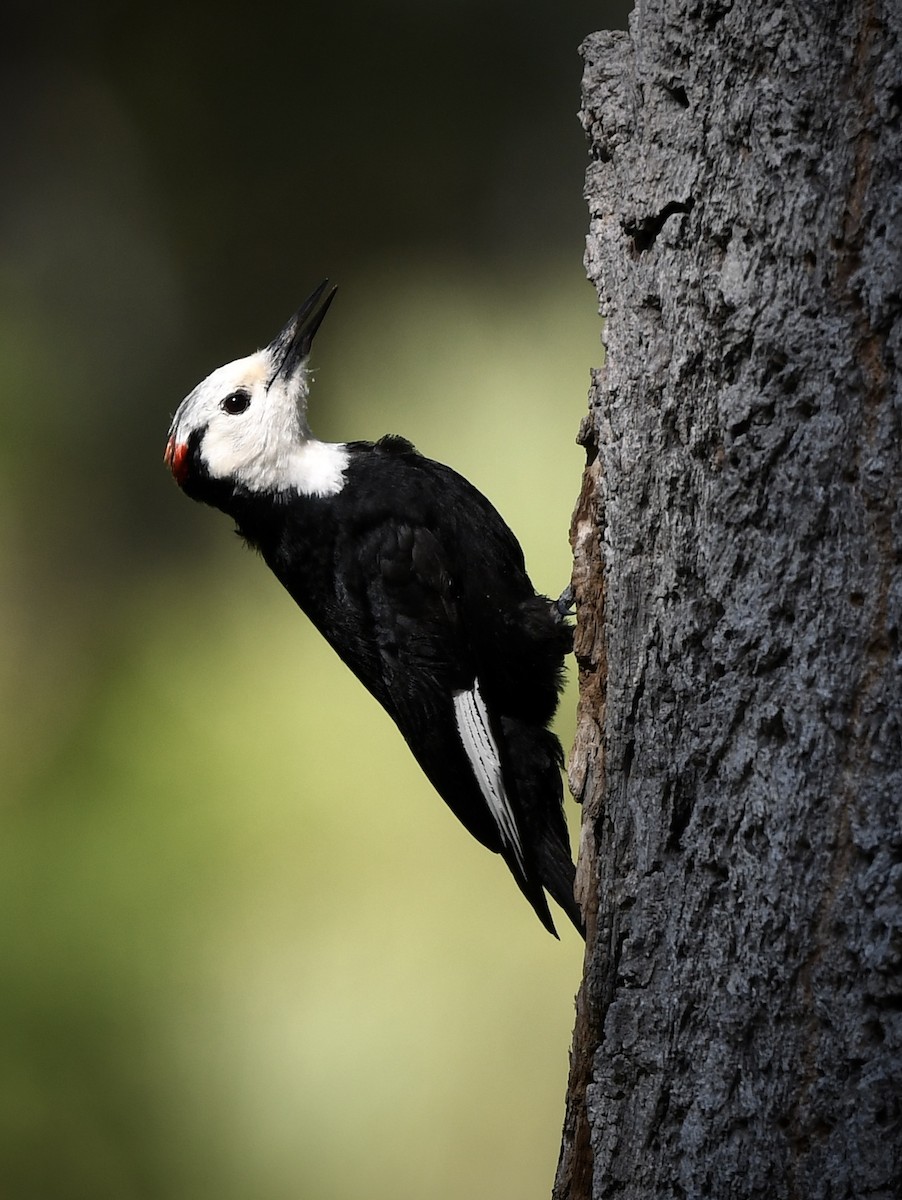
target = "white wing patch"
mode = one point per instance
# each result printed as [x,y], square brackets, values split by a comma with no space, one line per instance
[476,735]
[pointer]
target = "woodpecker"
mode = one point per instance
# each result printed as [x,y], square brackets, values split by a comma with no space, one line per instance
[414,579]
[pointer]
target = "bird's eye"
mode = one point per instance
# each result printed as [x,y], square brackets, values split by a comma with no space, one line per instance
[236,402]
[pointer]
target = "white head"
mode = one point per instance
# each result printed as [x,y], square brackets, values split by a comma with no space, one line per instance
[246,423]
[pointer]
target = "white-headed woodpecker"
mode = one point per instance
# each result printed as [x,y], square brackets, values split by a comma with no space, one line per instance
[414,579]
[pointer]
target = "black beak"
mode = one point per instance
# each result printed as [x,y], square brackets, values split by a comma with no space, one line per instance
[292,346]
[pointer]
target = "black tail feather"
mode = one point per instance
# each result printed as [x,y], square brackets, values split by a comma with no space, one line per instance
[558,875]
[531,886]
[532,761]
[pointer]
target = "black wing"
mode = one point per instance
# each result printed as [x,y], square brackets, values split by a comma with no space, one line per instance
[413,621]
[429,682]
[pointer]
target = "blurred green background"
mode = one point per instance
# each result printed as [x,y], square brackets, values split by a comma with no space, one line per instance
[246,951]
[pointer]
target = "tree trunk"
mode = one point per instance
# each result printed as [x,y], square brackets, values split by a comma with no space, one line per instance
[737,545]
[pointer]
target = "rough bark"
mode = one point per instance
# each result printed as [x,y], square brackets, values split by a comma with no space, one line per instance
[738,544]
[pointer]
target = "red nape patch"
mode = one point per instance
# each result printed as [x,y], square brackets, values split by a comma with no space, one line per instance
[176,459]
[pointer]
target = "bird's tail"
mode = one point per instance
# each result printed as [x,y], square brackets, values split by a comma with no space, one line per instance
[534,760]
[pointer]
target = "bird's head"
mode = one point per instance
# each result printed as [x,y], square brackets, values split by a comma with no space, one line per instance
[246,423]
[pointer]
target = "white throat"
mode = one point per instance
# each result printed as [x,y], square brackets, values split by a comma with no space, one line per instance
[308,466]
[316,468]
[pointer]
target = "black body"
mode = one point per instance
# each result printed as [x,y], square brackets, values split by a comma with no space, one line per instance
[416,581]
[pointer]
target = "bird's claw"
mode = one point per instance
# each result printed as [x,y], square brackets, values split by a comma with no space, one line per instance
[564,606]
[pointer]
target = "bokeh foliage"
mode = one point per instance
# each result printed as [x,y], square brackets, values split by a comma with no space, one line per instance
[247,951]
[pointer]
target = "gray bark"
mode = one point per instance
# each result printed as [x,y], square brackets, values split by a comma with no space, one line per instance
[737,565]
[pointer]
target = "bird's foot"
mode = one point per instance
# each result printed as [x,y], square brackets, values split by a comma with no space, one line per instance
[565,604]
